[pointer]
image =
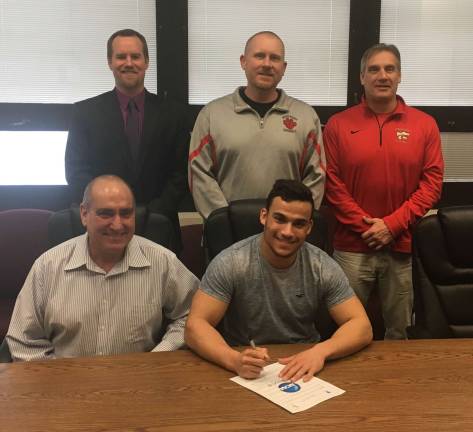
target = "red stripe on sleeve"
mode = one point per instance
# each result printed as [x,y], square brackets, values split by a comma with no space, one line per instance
[203,142]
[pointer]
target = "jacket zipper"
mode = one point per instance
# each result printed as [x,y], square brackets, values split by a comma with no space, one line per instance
[262,119]
[380,128]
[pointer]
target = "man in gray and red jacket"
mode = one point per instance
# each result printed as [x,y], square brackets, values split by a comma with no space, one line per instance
[243,142]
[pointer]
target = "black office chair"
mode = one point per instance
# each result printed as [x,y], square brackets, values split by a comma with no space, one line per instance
[5,356]
[66,224]
[443,274]
[23,238]
[240,220]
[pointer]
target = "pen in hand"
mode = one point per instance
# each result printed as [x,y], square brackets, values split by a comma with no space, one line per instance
[253,345]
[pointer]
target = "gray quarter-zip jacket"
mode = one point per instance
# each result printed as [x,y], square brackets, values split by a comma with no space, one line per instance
[235,154]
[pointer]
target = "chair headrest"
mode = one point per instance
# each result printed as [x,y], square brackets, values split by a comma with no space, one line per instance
[244,218]
[457,228]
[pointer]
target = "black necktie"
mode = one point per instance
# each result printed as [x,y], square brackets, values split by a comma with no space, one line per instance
[133,129]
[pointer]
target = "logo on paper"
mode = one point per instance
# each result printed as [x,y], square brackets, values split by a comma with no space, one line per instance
[289,387]
[289,122]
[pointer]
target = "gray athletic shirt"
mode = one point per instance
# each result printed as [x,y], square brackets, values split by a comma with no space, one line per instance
[271,305]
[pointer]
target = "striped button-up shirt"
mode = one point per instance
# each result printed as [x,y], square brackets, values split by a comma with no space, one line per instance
[70,307]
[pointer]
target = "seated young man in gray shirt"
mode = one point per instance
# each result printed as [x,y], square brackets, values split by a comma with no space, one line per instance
[268,288]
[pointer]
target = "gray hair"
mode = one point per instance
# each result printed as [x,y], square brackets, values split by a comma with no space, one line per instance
[379,48]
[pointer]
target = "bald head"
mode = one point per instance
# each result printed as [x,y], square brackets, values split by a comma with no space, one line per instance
[264,66]
[105,182]
[265,33]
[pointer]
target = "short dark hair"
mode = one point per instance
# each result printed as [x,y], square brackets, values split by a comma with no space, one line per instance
[379,48]
[290,190]
[87,198]
[127,33]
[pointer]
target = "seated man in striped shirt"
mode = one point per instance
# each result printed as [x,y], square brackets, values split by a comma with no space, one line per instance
[104,292]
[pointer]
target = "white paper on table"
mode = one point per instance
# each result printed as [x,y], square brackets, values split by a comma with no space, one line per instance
[294,397]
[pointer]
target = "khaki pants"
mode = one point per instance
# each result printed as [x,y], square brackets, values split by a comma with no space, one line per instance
[389,272]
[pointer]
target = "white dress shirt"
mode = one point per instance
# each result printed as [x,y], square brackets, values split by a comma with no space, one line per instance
[70,307]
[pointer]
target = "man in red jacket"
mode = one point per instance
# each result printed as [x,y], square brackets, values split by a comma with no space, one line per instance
[384,172]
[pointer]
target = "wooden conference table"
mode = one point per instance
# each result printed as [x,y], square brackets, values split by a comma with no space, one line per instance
[422,385]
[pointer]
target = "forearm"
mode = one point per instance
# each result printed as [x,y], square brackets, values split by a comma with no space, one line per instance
[206,341]
[205,190]
[313,175]
[315,181]
[411,210]
[346,210]
[23,349]
[26,341]
[203,168]
[352,336]
[173,339]
[27,337]
[428,190]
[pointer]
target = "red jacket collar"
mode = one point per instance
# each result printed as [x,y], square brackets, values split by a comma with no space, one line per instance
[399,110]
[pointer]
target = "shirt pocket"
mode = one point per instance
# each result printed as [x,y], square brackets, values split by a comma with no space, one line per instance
[144,324]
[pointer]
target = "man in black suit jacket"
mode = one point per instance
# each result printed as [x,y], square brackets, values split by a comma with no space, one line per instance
[98,143]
